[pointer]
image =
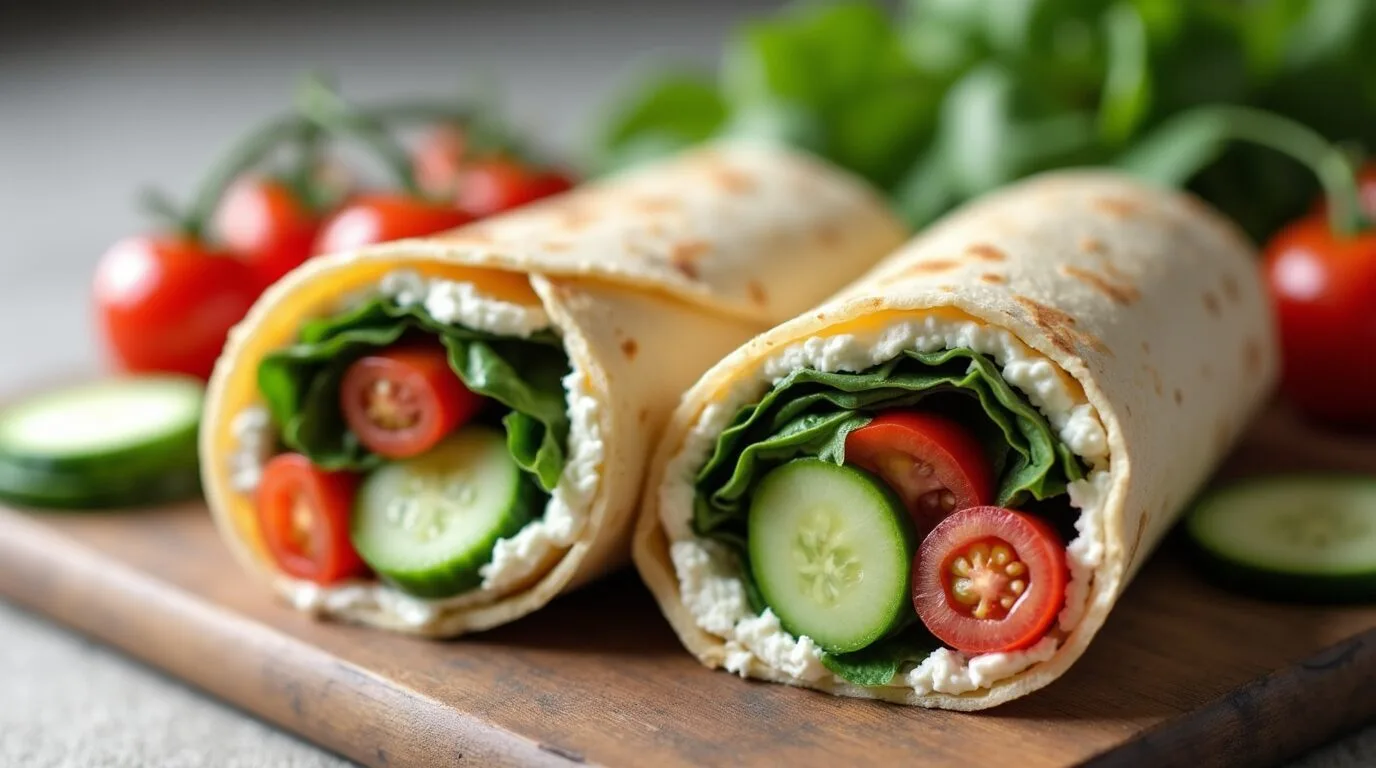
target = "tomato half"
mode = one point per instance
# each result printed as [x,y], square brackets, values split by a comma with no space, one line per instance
[304,515]
[1323,288]
[934,464]
[265,223]
[403,401]
[167,303]
[499,184]
[380,218]
[989,579]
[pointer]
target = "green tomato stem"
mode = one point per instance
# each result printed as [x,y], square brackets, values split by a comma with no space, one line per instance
[1328,162]
[247,153]
[326,109]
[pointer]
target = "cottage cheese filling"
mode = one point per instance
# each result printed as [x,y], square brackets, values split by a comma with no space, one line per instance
[515,560]
[709,574]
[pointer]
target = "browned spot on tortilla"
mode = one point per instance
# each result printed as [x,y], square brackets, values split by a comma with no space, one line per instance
[732,180]
[629,348]
[1146,347]
[643,416]
[1156,381]
[946,287]
[577,216]
[558,246]
[1137,539]
[1252,356]
[990,277]
[1127,409]
[1092,245]
[1179,396]
[928,267]
[1118,294]
[1060,327]
[1231,291]
[756,292]
[1211,303]
[1117,207]
[684,256]
[655,204]
[830,234]
[1113,272]
[986,252]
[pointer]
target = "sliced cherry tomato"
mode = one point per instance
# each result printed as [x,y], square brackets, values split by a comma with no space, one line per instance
[500,183]
[265,223]
[1323,288]
[439,158]
[989,579]
[167,303]
[304,514]
[403,401]
[934,464]
[382,217]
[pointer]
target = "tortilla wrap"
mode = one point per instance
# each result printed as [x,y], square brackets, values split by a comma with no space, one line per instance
[1151,310]
[647,277]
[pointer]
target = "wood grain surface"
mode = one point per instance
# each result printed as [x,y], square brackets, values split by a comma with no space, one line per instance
[1182,672]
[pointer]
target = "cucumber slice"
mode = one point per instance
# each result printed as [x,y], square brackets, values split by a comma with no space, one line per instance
[428,524]
[831,548]
[1309,538]
[121,443]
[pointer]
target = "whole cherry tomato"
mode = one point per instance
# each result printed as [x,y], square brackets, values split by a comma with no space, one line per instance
[167,303]
[500,183]
[265,223]
[1323,287]
[385,216]
[439,158]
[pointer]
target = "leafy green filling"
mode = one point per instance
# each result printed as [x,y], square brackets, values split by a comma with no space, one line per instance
[301,384]
[810,413]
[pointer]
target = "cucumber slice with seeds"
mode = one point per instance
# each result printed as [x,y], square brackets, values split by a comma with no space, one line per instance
[1310,538]
[831,548]
[428,524]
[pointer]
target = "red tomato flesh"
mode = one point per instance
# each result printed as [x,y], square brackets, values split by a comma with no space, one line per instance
[404,401]
[439,158]
[380,218]
[304,513]
[989,579]
[934,464]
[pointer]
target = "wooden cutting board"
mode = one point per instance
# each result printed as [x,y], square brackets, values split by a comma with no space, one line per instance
[1183,672]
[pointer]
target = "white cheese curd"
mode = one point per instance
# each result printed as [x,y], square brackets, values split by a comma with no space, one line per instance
[707,573]
[514,559]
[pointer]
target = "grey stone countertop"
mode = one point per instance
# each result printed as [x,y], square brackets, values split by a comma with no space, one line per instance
[95,103]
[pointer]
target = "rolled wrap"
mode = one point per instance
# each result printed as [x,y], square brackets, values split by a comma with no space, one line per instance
[647,278]
[1150,309]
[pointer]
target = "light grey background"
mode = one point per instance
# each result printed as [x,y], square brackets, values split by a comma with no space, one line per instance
[95,103]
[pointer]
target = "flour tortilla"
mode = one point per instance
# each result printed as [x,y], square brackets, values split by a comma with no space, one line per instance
[1144,297]
[650,277]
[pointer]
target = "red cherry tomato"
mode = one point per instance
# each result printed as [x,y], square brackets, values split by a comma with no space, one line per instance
[266,224]
[382,217]
[167,303]
[989,579]
[1323,288]
[403,401]
[933,463]
[439,158]
[304,514]
[499,184]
